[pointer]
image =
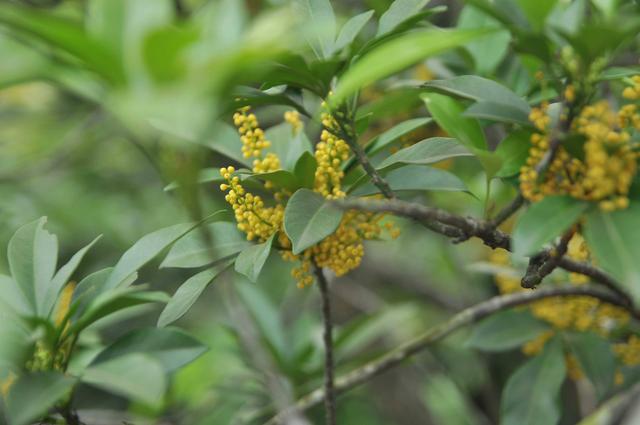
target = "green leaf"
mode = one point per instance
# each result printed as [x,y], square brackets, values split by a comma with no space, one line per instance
[171,347]
[506,330]
[351,29]
[489,51]
[513,150]
[537,11]
[531,396]
[113,301]
[498,112]
[309,218]
[287,145]
[136,376]
[206,175]
[596,360]
[545,220]
[415,178]
[193,250]
[447,112]
[319,16]
[280,178]
[394,133]
[399,53]
[226,141]
[188,293]
[614,240]
[145,250]
[305,170]
[32,395]
[428,151]
[480,89]
[32,254]
[66,35]
[61,278]
[398,12]
[249,96]
[251,260]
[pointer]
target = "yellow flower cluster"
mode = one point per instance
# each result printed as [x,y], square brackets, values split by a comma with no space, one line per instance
[629,351]
[253,218]
[254,142]
[605,173]
[341,251]
[578,313]
[293,118]
[330,153]
[633,92]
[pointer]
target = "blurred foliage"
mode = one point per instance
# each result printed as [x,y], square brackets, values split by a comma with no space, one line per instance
[116,116]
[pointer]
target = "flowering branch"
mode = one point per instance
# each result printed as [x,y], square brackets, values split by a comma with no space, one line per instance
[465,317]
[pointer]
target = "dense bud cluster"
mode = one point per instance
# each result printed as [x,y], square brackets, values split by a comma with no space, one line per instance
[253,218]
[575,313]
[602,173]
[293,118]
[341,251]
[330,153]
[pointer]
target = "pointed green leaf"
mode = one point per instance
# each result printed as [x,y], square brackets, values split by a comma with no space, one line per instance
[351,29]
[498,112]
[514,151]
[506,330]
[447,112]
[32,395]
[251,260]
[319,16]
[415,178]
[136,376]
[171,347]
[309,218]
[305,170]
[63,275]
[145,250]
[398,12]
[399,53]
[426,152]
[194,250]
[32,254]
[596,360]
[480,89]
[614,240]
[531,396]
[545,220]
[188,293]
[394,133]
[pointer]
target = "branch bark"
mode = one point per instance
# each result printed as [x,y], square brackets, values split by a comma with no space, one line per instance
[330,399]
[469,227]
[465,317]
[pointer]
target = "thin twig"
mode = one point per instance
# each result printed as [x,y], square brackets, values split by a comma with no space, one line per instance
[464,318]
[504,214]
[545,262]
[330,399]
[347,132]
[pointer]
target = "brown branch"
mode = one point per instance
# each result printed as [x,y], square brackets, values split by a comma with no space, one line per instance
[330,399]
[465,317]
[470,227]
[545,262]
[347,132]
[504,214]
